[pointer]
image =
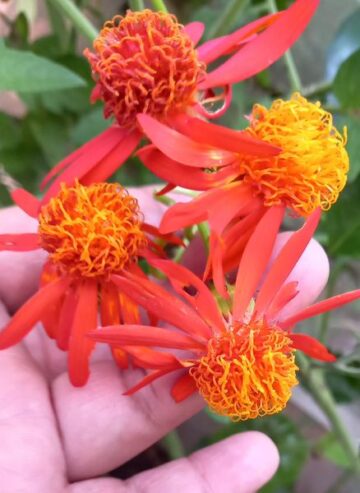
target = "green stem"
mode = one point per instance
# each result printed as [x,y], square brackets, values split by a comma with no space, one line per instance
[317,88]
[71,11]
[203,230]
[294,77]
[173,445]
[227,19]
[159,5]
[314,378]
[136,5]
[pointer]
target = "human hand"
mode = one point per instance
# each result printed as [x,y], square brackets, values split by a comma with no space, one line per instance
[58,438]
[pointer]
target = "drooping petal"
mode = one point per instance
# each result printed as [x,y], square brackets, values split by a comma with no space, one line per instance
[86,161]
[255,259]
[84,320]
[202,300]
[215,48]
[312,347]
[66,317]
[321,307]
[162,304]
[195,30]
[148,380]
[182,175]
[23,242]
[143,335]
[285,294]
[150,359]
[266,48]
[285,262]
[182,149]
[31,312]
[223,137]
[183,388]
[26,201]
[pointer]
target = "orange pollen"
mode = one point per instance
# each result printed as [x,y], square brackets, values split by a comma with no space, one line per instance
[312,168]
[144,63]
[91,231]
[247,372]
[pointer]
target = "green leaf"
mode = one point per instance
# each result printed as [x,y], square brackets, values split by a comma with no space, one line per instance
[89,125]
[347,82]
[293,448]
[25,72]
[329,447]
[10,132]
[345,388]
[353,144]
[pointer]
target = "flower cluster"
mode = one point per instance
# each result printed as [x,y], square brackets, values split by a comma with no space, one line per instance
[227,336]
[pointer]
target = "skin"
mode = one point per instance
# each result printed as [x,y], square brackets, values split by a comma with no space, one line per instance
[62,439]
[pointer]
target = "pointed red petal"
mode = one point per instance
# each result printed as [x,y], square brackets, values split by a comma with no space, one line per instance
[215,48]
[85,150]
[162,304]
[109,304]
[180,148]
[154,231]
[65,318]
[321,307]
[266,48]
[255,259]
[148,380]
[195,30]
[285,294]
[30,313]
[85,162]
[285,262]
[183,388]
[129,310]
[223,137]
[114,160]
[85,320]
[143,335]
[24,242]
[312,347]
[26,201]
[151,359]
[182,175]
[203,301]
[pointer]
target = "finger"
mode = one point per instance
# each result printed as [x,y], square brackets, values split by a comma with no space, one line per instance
[30,452]
[102,428]
[232,466]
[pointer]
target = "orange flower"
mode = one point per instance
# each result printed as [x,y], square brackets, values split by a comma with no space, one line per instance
[89,233]
[309,172]
[147,65]
[241,362]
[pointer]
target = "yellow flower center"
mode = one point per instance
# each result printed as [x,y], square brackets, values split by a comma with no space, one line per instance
[91,231]
[247,372]
[144,63]
[311,170]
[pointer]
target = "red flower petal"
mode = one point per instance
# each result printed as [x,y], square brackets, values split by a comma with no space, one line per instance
[65,318]
[266,48]
[154,231]
[255,259]
[224,138]
[285,262]
[203,301]
[215,48]
[144,335]
[180,148]
[184,176]
[312,347]
[80,346]
[31,312]
[195,30]
[183,388]
[23,242]
[148,380]
[95,153]
[321,307]
[151,359]
[162,304]
[285,294]
[26,201]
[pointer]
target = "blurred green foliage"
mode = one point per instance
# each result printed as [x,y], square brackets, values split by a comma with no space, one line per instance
[53,81]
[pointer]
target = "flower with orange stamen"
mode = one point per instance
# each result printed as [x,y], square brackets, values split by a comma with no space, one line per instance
[89,233]
[147,64]
[309,172]
[242,361]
